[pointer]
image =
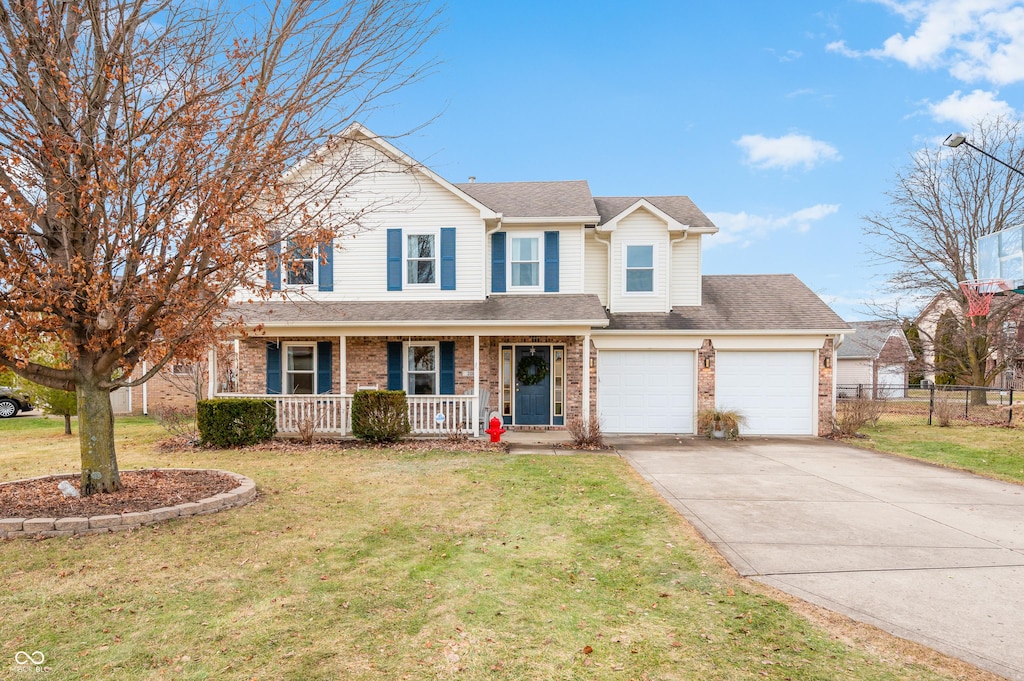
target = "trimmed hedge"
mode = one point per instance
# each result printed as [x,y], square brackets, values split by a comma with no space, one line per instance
[380,415]
[235,422]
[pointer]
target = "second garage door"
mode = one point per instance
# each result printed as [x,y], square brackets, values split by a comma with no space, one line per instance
[775,391]
[644,391]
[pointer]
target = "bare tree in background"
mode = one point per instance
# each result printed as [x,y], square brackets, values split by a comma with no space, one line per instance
[942,202]
[145,148]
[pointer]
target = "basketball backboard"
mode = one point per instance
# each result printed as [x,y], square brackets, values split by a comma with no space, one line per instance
[1001,256]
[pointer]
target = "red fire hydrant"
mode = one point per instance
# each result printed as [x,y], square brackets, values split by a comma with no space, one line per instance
[495,430]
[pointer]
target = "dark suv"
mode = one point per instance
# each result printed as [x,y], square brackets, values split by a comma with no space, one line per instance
[12,402]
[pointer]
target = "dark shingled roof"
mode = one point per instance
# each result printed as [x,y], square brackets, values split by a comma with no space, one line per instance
[680,208]
[755,302]
[868,340]
[535,199]
[512,309]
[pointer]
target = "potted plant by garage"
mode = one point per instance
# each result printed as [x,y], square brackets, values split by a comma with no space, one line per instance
[719,423]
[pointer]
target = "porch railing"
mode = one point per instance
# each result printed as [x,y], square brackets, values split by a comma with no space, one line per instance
[332,414]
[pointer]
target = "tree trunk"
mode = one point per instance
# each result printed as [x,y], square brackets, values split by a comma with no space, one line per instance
[67,424]
[96,434]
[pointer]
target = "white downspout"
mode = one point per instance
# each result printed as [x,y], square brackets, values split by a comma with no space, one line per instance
[668,274]
[145,392]
[608,282]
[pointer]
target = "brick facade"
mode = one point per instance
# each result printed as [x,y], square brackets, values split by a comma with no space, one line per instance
[826,398]
[706,376]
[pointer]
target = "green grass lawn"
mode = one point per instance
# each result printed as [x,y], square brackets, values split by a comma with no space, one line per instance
[989,450]
[356,564]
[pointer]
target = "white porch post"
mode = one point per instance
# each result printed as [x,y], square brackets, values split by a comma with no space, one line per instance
[476,385]
[343,383]
[586,379]
[211,383]
[145,393]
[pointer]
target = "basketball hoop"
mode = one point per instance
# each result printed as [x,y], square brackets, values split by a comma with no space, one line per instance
[979,294]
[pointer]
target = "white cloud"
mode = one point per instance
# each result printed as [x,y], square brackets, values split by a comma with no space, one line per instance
[743,228]
[976,40]
[967,110]
[786,152]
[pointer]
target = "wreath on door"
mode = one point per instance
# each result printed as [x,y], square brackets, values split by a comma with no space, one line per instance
[531,370]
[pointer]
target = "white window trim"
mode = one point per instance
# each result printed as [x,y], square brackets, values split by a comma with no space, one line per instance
[286,269]
[436,233]
[405,365]
[539,236]
[654,270]
[284,366]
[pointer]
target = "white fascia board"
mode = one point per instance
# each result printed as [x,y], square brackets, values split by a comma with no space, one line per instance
[432,328]
[712,333]
[572,220]
[671,223]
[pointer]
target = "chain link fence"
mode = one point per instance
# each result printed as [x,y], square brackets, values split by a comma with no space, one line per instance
[929,404]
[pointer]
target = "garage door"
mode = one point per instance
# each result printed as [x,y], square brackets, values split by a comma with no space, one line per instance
[892,381]
[774,390]
[642,391]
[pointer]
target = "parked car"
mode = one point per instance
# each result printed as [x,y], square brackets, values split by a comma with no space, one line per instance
[11,402]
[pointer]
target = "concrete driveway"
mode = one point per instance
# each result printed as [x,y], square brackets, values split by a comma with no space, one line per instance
[931,555]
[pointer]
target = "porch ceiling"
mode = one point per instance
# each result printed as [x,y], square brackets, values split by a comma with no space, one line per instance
[497,310]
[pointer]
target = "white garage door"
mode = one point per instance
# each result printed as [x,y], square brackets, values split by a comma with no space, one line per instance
[645,391]
[892,379]
[774,390]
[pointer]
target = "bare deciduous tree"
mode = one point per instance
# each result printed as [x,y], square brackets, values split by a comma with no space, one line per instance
[145,148]
[940,205]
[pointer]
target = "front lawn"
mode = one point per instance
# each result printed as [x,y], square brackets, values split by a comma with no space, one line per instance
[357,564]
[989,450]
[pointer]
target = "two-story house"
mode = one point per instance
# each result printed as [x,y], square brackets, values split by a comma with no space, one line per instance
[535,300]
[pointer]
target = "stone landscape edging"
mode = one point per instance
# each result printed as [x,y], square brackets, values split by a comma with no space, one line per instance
[101,524]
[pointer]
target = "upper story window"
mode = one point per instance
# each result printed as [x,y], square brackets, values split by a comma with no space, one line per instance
[524,261]
[300,370]
[421,259]
[421,369]
[640,268]
[299,265]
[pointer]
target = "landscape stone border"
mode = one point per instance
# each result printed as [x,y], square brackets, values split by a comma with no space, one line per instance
[102,524]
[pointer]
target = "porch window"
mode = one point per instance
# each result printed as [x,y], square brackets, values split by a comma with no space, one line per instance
[525,262]
[300,269]
[421,259]
[558,379]
[640,268]
[300,370]
[506,381]
[421,369]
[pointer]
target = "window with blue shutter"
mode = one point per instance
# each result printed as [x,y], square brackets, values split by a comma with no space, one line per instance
[551,262]
[323,367]
[394,365]
[273,368]
[326,266]
[498,275]
[274,264]
[447,258]
[394,262]
[447,367]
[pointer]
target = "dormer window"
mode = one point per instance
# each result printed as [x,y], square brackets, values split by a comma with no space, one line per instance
[639,268]
[421,259]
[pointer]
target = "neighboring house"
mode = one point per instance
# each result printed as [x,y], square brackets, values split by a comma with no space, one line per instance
[874,361]
[537,301]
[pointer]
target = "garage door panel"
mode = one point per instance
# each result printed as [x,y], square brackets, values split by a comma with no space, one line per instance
[775,391]
[645,391]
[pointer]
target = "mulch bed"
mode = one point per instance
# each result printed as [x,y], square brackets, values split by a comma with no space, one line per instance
[141,491]
[177,444]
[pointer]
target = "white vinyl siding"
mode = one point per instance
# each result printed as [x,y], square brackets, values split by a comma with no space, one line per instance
[853,372]
[641,391]
[775,391]
[570,265]
[686,282]
[595,273]
[641,227]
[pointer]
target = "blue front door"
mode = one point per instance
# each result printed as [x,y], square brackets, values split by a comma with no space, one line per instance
[533,399]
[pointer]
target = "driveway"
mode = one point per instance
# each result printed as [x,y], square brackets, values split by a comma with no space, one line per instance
[932,555]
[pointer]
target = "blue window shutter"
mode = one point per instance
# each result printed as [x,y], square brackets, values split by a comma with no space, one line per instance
[394,365]
[551,262]
[447,367]
[323,367]
[274,264]
[326,265]
[447,258]
[394,260]
[498,275]
[273,369]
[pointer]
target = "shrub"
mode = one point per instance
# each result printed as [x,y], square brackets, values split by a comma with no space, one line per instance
[179,422]
[946,408]
[585,434]
[235,422]
[728,421]
[854,414]
[380,415]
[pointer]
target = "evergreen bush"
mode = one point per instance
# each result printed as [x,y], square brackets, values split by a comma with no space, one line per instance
[380,415]
[235,422]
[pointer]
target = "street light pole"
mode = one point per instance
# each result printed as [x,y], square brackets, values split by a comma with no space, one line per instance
[956,139]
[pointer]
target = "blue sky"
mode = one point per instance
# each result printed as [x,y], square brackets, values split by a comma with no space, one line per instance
[784,122]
